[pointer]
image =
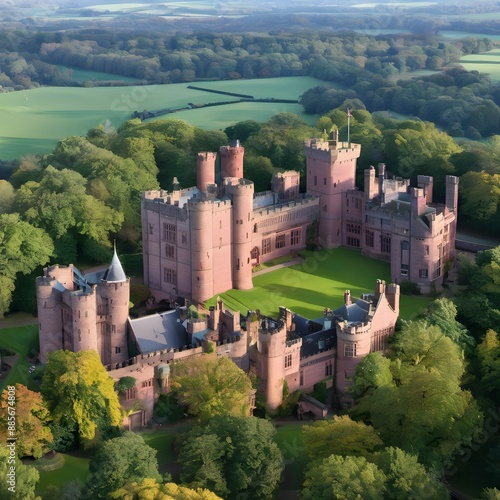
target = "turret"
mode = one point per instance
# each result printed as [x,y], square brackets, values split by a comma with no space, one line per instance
[83,327]
[205,170]
[49,317]
[241,192]
[379,289]
[370,188]
[381,178]
[115,297]
[271,348]
[201,230]
[232,161]
[347,297]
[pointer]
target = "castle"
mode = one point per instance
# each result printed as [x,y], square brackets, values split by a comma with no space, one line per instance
[204,240]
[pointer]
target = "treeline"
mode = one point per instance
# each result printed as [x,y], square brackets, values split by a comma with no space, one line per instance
[29,59]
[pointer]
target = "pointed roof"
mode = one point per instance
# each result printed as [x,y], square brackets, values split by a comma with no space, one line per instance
[115,272]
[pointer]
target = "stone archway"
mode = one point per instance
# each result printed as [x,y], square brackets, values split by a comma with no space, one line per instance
[255,256]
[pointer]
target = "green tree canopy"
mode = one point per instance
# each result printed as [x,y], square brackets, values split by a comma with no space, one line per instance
[22,249]
[423,410]
[25,480]
[339,436]
[344,478]
[212,386]
[79,392]
[121,460]
[235,457]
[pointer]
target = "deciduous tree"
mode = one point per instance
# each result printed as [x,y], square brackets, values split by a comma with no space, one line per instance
[79,392]
[212,386]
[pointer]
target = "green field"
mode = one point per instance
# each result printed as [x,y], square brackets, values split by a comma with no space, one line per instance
[75,468]
[486,62]
[319,282]
[34,120]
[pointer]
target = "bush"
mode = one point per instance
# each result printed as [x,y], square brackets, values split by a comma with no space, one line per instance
[410,288]
[167,409]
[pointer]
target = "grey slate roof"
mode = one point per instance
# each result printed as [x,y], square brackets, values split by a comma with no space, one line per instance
[314,343]
[356,312]
[159,331]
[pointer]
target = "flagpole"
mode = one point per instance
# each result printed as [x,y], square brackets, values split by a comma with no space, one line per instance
[348,127]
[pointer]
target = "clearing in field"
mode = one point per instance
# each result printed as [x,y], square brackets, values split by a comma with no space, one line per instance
[318,282]
[486,62]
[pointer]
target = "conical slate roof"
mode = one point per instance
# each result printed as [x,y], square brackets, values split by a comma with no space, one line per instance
[115,272]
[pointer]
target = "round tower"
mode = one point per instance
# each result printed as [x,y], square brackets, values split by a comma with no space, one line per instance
[271,348]
[232,161]
[242,199]
[201,231]
[115,297]
[205,170]
[84,327]
[48,301]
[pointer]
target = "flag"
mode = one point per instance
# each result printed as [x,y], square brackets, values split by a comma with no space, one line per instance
[349,112]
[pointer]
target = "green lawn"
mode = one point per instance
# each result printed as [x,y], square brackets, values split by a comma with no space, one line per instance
[22,340]
[319,282]
[75,468]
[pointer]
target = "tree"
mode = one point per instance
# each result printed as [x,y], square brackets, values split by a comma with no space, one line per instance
[32,417]
[259,169]
[23,480]
[121,460]
[424,410]
[149,489]
[233,456]
[442,312]
[372,372]
[339,436]
[407,478]
[212,386]
[490,494]
[488,353]
[6,196]
[344,478]
[79,392]
[22,249]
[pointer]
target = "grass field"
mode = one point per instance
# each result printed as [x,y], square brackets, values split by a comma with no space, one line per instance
[486,62]
[75,468]
[34,120]
[319,282]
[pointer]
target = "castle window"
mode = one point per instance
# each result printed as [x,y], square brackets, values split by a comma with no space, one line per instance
[301,382]
[79,335]
[118,350]
[349,349]
[315,180]
[357,202]
[426,250]
[423,273]
[352,242]
[369,239]
[113,328]
[266,246]
[170,251]
[151,229]
[169,232]
[385,243]
[353,228]
[288,361]
[169,276]
[147,383]
[404,269]
[295,237]
[280,241]
[184,239]
[130,394]
[328,369]
[324,181]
